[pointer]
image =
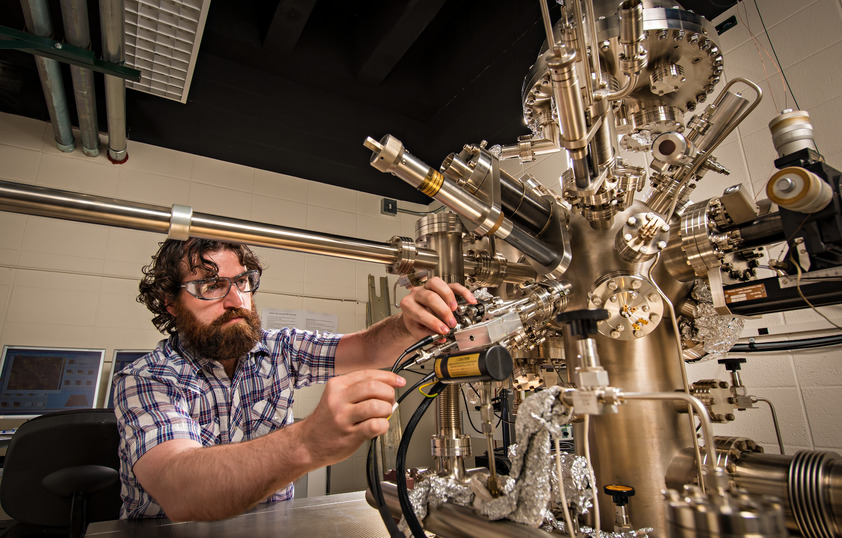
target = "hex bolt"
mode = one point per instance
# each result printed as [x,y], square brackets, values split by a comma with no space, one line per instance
[638,333]
[662,245]
[597,301]
[653,317]
[613,298]
[636,284]
[614,333]
[611,285]
[652,297]
[632,221]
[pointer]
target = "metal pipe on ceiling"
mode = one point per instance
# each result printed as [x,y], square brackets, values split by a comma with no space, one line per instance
[111,23]
[37,16]
[77,32]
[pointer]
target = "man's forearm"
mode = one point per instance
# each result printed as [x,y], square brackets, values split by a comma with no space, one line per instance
[375,347]
[207,483]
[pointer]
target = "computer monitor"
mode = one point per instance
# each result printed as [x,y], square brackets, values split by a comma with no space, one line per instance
[39,380]
[122,358]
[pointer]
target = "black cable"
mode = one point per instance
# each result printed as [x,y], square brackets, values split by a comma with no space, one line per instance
[791,345]
[377,491]
[405,364]
[420,382]
[373,477]
[427,340]
[776,56]
[400,463]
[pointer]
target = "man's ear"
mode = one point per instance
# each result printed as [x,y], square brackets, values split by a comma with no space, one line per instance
[170,308]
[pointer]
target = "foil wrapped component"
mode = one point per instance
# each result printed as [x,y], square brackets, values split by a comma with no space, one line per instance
[530,494]
[433,491]
[714,333]
[539,417]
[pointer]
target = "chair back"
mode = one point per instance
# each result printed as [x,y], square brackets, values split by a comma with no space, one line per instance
[53,455]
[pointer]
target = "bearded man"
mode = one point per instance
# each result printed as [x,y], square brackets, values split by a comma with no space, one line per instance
[206,418]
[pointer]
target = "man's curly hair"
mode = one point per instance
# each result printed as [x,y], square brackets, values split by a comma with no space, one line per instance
[162,278]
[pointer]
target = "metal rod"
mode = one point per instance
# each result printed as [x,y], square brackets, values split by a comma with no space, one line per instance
[594,44]
[685,382]
[582,49]
[707,430]
[777,426]
[54,203]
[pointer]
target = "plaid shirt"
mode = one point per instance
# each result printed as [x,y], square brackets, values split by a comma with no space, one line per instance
[170,394]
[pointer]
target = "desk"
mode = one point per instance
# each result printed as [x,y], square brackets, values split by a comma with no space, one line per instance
[345,514]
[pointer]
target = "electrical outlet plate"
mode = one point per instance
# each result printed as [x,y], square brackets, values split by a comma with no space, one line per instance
[388,206]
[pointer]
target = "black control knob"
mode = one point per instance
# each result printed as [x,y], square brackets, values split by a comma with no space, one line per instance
[732,364]
[583,322]
[619,493]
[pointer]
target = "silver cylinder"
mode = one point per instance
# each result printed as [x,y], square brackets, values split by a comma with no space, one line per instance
[792,131]
[77,32]
[442,232]
[37,16]
[111,23]
[55,203]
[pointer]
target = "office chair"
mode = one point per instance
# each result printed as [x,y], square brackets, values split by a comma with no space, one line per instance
[61,472]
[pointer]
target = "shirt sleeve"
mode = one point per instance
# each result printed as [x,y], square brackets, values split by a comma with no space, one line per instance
[150,410]
[310,356]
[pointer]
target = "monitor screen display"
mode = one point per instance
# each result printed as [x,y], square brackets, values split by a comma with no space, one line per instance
[122,358]
[38,380]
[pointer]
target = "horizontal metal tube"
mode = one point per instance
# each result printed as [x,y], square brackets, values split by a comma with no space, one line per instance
[46,202]
[55,203]
[265,235]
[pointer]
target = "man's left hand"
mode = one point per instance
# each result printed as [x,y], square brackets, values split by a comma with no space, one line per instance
[428,309]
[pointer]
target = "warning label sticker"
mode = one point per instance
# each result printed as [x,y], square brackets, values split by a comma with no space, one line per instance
[746,293]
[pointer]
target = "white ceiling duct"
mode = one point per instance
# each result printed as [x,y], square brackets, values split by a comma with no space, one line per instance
[162,41]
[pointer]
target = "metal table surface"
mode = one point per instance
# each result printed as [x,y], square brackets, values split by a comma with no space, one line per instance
[345,514]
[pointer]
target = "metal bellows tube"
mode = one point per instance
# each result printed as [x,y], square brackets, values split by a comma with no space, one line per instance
[809,483]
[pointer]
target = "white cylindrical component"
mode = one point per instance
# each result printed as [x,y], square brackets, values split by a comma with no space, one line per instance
[791,132]
[799,190]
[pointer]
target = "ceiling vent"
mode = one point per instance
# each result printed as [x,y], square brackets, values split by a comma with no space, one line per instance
[162,41]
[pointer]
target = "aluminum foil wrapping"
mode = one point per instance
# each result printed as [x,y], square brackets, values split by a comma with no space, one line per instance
[717,334]
[539,417]
[530,494]
[433,491]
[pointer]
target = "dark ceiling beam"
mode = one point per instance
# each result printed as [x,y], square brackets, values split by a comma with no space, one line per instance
[402,28]
[287,24]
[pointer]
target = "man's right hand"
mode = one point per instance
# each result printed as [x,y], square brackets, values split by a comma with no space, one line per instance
[354,408]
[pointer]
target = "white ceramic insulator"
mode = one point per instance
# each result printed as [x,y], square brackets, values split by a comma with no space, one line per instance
[799,190]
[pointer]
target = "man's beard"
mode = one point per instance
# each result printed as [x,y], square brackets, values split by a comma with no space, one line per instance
[215,341]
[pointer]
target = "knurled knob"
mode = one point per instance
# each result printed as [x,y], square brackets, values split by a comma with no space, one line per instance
[732,364]
[619,493]
[583,322]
